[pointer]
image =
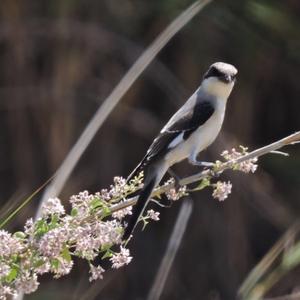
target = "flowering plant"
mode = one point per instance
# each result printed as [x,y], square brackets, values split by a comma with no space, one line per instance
[93,228]
[48,244]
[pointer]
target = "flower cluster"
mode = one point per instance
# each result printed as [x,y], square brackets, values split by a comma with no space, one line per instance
[222,190]
[96,272]
[120,214]
[248,166]
[49,244]
[120,259]
[9,245]
[93,228]
[172,193]
[153,215]
[53,206]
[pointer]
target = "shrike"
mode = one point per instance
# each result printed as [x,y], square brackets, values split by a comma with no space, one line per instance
[191,129]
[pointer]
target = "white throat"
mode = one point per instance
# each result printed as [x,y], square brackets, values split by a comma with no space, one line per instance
[215,87]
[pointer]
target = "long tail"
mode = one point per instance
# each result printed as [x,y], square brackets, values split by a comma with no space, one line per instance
[139,208]
[152,178]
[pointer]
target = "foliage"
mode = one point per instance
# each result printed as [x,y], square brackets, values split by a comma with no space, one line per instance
[92,229]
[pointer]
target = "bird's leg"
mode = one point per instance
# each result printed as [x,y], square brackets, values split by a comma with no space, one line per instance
[193,160]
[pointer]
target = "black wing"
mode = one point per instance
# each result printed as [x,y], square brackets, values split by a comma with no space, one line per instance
[187,125]
[196,118]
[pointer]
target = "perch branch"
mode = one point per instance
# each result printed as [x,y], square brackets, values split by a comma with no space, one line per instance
[289,140]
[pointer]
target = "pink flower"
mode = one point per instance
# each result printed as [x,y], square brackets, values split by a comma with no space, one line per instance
[64,267]
[7,292]
[27,283]
[153,215]
[120,214]
[52,206]
[96,272]
[52,243]
[245,166]
[120,259]
[222,190]
[4,269]
[9,245]
[174,194]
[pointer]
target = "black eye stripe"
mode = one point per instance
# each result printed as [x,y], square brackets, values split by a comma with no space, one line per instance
[213,72]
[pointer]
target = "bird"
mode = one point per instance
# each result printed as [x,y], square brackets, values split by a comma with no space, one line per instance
[188,132]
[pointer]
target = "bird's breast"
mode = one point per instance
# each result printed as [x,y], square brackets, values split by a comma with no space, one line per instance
[208,132]
[200,139]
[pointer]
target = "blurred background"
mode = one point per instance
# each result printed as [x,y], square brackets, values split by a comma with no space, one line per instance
[58,62]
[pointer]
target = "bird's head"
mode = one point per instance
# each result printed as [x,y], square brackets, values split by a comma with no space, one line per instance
[219,79]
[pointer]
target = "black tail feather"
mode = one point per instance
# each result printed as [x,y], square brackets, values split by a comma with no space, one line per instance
[138,209]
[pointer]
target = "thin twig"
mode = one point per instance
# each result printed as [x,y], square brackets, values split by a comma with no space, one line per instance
[289,140]
[280,153]
[171,251]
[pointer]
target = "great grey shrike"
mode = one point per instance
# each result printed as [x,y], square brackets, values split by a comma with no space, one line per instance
[190,130]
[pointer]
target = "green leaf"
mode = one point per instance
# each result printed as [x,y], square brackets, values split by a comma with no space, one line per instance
[66,254]
[105,211]
[107,254]
[74,212]
[12,275]
[54,221]
[96,203]
[15,258]
[55,263]
[20,235]
[203,184]
[41,227]
[38,263]
[106,247]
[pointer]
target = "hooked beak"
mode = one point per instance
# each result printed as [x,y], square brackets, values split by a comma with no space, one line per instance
[228,78]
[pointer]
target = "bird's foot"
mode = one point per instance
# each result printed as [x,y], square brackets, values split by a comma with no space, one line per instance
[206,164]
[201,163]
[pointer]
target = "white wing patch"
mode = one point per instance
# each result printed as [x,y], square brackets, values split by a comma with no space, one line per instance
[176,141]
